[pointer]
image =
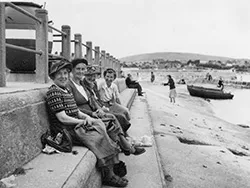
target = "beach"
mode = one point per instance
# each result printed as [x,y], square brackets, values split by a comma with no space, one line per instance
[197,148]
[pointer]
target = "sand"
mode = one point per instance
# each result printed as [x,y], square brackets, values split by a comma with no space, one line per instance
[196,148]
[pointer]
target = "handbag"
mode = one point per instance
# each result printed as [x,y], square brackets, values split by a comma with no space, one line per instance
[120,169]
[62,141]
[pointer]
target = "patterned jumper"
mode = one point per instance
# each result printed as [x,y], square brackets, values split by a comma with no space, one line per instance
[60,100]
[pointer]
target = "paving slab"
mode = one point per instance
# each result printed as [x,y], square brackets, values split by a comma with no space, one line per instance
[144,171]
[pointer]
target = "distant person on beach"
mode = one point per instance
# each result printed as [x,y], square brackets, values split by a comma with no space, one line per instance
[122,74]
[182,81]
[133,84]
[172,93]
[220,84]
[152,77]
[208,77]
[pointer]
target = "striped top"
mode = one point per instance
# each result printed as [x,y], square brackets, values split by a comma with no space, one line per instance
[59,100]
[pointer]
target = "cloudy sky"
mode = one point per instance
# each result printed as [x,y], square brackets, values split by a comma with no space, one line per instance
[129,27]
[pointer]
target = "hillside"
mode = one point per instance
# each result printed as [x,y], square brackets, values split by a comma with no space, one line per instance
[172,56]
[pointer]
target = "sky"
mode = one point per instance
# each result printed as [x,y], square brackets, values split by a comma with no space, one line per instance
[129,27]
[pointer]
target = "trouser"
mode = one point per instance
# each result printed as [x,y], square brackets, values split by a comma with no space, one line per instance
[136,86]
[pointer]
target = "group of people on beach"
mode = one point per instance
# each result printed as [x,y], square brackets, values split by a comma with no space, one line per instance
[91,113]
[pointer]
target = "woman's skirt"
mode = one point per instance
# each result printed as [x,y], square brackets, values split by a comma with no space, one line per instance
[97,140]
[119,109]
[172,93]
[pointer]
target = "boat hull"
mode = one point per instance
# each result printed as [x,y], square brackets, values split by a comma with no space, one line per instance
[209,93]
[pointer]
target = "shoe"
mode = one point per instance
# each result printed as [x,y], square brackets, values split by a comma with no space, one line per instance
[115,181]
[140,94]
[138,151]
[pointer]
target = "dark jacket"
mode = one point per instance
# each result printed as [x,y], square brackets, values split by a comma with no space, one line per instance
[87,106]
[170,83]
[129,81]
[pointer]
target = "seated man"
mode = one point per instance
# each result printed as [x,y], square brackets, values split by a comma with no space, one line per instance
[133,84]
[109,94]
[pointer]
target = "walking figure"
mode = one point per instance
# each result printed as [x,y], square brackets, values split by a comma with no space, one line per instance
[172,93]
[152,77]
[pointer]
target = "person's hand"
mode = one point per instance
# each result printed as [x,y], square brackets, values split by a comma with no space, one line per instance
[105,109]
[112,101]
[89,120]
[100,113]
[95,114]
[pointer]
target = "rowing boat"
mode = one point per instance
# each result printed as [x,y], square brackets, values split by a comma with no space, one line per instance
[209,93]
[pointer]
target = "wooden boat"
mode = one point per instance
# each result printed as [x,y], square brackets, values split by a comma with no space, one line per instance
[209,93]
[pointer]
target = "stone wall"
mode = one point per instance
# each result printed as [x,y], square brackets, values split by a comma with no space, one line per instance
[23,119]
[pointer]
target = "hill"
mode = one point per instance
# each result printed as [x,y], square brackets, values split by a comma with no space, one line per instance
[172,56]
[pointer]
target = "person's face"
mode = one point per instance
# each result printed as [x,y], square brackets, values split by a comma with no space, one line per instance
[61,77]
[78,71]
[90,78]
[109,78]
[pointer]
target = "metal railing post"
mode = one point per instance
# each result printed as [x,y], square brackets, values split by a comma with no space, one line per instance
[66,40]
[78,45]
[42,61]
[2,46]
[89,52]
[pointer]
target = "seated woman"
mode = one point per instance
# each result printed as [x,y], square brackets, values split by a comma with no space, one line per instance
[87,104]
[64,113]
[86,99]
[109,94]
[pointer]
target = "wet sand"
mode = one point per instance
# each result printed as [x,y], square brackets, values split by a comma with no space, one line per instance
[197,149]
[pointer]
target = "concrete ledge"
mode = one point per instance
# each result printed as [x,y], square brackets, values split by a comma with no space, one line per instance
[61,170]
[121,84]
[127,97]
[23,119]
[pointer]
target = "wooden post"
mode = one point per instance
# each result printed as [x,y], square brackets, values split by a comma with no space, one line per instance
[89,53]
[2,46]
[42,61]
[66,40]
[119,68]
[112,62]
[115,66]
[97,55]
[107,61]
[78,45]
[103,61]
